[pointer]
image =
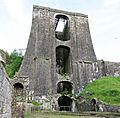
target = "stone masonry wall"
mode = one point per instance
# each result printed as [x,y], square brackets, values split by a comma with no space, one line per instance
[5,94]
[39,63]
[41,57]
[107,68]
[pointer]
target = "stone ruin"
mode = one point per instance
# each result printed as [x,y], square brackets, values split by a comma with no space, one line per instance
[59,56]
[59,61]
[6,89]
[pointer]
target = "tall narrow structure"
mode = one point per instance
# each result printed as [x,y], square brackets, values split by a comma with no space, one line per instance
[60,55]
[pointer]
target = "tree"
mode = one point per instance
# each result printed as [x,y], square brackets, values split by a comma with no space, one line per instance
[13,62]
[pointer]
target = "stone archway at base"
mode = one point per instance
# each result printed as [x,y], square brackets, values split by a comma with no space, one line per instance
[65,103]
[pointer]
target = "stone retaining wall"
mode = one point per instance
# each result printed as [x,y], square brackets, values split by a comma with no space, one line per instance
[107,68]
[87,106]
[5,94]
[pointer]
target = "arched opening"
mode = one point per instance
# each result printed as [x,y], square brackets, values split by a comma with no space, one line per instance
[65,87]
[93,104]
[62,27]
[18,91]
[65,103]
[63,60]
[93,101]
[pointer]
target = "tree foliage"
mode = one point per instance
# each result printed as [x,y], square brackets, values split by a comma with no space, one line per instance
[13,62]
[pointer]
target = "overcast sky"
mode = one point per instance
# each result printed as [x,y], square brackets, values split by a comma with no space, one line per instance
[104,21]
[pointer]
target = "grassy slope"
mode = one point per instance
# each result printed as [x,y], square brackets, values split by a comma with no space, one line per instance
[106,89]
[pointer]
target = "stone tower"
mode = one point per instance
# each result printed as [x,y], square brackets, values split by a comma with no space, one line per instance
[60,54]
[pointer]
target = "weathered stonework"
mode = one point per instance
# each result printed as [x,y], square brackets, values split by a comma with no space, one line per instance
[56,66]
[87,106]
[21,95]
[39,63]
[58,59]
[24,81]
[107,68]
[6,93]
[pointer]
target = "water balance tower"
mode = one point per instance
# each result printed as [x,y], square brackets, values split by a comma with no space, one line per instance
[60,55]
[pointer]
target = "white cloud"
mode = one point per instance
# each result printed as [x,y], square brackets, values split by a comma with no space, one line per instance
[15,8]
[50,3]
[15,27]
[110,3]
[104,26]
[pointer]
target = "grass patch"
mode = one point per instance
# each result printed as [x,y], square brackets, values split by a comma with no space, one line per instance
[106,89]
[36,103]
[53,115]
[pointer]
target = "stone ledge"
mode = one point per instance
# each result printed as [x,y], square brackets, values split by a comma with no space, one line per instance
[59,11]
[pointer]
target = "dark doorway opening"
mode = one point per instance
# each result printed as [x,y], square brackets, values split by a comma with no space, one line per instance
[18,89]
[63,60]
[94,105]
[62,27]
[65,103]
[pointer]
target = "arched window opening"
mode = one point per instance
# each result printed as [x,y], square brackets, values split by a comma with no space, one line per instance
[65,103]
[63,60]
[62,27]
[18,89]
[65,87]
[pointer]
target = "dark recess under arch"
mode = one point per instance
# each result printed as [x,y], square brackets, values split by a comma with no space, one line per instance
[63,60]
[18,85]
[64,86]
[65,103]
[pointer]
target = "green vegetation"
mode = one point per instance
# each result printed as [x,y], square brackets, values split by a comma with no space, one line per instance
[106,89]
[66,93]
[36,103]
[53,115]
[13,62]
